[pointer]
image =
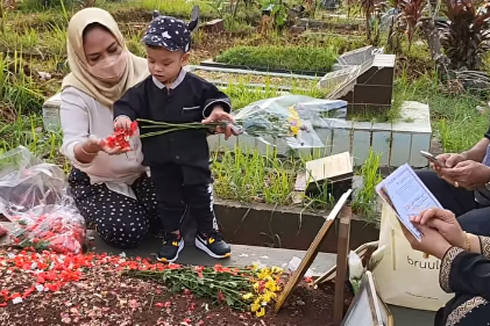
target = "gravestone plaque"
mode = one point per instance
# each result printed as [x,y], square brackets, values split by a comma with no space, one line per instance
[368,309]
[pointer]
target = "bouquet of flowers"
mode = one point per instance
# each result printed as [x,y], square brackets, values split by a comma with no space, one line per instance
[256,121]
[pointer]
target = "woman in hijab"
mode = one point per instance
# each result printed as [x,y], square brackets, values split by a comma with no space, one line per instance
[111,191]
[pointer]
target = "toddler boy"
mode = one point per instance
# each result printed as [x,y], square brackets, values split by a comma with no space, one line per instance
[178,161]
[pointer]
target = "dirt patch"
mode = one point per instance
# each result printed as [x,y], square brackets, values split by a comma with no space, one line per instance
[101,296]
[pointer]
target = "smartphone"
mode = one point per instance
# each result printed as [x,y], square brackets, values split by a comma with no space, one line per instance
[432,158]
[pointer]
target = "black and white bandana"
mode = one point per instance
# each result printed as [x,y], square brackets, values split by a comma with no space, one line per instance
[170,33]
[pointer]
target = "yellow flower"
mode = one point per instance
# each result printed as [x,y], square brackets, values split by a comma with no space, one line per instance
[260,312]
[267,297]
[256,304]
[276,270]
[264,273]
[271,286]
[256,287]
[254,307]
[294,130]
[247,296]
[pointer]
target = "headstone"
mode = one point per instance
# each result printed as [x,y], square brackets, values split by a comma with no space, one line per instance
[214,26]
[51,113]
[358,56]
[372,89]
[368,309]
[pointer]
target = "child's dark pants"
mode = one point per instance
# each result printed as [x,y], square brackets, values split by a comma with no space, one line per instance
[174,196]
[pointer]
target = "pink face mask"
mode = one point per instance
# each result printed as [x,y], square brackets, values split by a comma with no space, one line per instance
[110,69]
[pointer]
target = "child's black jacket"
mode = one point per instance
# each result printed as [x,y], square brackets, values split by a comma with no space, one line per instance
[190,99]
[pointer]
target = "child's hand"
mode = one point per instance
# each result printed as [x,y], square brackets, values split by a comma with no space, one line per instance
[219,115]
[123,123]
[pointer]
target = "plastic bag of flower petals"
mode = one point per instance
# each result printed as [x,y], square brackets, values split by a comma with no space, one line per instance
[33,195]
[3,231]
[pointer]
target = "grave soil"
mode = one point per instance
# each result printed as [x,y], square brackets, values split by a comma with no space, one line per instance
[101,297]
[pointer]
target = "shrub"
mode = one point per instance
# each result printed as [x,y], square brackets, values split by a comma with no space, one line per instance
[466,37]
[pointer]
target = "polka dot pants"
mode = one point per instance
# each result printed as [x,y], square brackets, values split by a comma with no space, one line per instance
[120,220]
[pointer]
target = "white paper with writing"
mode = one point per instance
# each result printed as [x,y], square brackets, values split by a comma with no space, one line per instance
[407,195]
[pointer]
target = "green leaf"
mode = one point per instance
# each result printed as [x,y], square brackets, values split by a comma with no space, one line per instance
[229,300]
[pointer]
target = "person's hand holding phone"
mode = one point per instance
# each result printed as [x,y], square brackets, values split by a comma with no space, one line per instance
[450,160]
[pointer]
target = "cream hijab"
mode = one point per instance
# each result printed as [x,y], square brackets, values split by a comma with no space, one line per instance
[80,78]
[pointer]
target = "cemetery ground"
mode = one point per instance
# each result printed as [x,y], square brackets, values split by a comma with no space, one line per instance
[33,63]
[100,295]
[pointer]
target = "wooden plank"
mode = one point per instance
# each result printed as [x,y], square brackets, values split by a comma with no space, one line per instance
[342,255]
[329,167]
[312,251]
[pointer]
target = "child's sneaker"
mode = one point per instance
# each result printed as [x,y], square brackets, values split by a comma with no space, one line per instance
[213,244]
[171,247]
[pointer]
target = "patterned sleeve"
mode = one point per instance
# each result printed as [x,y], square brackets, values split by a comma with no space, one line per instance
[465,272]
[446,266]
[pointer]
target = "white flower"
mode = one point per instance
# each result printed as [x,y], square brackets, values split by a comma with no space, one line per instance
[17,300]
[356,270]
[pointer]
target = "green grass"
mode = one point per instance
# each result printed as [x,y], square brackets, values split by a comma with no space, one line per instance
[241,95]
[27,131]
[248,176]
[455,120]
[291,58]
[18,91]
[365,201]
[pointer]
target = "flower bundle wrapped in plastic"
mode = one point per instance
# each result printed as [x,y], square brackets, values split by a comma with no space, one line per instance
[33,195]
[265,120]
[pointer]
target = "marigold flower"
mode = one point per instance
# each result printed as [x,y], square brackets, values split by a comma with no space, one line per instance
[271,286]
[247,296]
[254,307]
[260,313]
[268,296]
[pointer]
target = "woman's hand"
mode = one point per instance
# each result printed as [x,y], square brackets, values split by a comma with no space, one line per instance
[470,175]
[432,242]
[445,223]
[218,115]
[93,145]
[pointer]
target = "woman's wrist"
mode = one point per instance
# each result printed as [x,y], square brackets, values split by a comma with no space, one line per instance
[87,150]
[474,243]
[441,249]
[85,153]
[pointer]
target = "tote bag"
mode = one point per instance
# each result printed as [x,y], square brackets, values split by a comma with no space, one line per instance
[404,277]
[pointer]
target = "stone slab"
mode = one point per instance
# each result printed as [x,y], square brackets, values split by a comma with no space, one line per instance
[381,142]
[400,148]
[242,255]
